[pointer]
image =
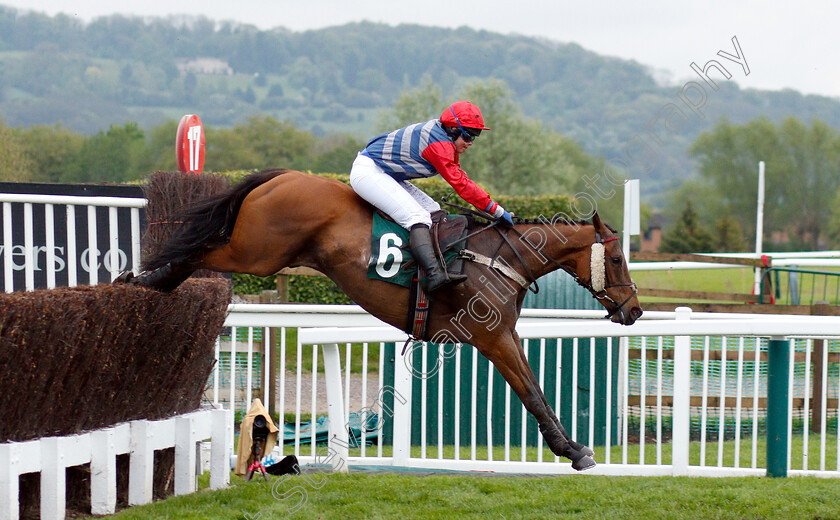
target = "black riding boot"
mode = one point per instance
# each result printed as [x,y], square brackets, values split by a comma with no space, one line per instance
[420,240]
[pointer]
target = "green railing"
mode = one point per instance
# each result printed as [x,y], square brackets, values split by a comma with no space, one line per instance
[800,286]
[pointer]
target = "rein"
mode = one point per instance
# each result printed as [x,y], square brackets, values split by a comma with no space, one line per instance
[601,295]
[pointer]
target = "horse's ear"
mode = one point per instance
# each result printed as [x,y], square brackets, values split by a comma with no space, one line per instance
[596,220]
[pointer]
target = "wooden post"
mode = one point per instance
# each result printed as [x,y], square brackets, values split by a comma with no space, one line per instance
[818,309]
[816,385]
[282,283]
[268,346]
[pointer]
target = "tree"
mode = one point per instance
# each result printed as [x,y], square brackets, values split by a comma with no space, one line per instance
[113,156]
[262,142]
[686,235]
[52,151]
[727,237]
[14,164]
[518,156]
[802,165]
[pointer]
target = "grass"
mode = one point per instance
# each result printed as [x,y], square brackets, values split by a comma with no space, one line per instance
[812,288]
[374,495]
[362,495]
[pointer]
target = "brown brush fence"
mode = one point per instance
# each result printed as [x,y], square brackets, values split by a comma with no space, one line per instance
[76,359]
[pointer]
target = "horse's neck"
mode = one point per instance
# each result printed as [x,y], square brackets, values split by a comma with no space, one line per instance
[549,243]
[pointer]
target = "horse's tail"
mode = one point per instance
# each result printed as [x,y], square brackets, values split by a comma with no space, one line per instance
[207,224]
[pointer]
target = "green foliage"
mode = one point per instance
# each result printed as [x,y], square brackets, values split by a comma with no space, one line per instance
[801,174]
[113,156]
[518,156]
[687,234]
[302,289]
[315,289]
[727,235]
[51,150]
[117,69]
[14,163]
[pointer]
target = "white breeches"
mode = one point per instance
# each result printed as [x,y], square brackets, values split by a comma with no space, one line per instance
[400,200]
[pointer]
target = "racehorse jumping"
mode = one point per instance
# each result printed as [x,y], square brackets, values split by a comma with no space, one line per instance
[283,218]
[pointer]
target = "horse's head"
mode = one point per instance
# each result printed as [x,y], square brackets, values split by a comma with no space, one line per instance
[609,276]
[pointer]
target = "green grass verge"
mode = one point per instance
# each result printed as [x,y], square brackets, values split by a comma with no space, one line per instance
[376,496]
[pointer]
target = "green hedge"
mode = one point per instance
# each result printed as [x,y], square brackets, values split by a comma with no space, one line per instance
[302,289]
[317,289]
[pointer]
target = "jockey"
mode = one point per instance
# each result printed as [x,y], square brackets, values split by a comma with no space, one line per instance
[381,171]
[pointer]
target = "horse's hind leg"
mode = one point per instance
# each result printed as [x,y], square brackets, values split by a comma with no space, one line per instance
[164,279]
[509,359]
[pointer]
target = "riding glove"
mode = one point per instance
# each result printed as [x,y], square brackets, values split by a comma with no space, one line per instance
[504,217]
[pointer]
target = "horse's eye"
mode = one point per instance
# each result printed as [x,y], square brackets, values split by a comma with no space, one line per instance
[616,260]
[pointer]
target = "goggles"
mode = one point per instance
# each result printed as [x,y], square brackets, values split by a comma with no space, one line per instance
[467,134]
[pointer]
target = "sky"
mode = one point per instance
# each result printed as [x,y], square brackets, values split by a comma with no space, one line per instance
[785,44]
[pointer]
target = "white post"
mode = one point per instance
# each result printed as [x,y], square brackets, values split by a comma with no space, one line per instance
[29,248]
[759,226]
[632,218]
[9,481]
[185,439]
[338,437]
[221,445]
[53,479]
[402,408]
[141,469]
[8,271]
[103,472]
[682,398]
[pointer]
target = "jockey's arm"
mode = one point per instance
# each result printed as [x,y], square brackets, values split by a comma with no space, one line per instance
[443,157]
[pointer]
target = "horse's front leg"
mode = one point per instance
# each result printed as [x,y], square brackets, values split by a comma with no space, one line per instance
[507,356]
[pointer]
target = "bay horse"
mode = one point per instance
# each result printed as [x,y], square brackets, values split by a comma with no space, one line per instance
[284,218]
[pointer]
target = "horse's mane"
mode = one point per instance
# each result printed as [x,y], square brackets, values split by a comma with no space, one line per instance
[538,221]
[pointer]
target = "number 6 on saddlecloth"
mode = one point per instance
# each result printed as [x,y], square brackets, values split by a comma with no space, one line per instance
[386,251]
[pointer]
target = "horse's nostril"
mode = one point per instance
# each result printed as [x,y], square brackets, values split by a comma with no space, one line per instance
[636,312]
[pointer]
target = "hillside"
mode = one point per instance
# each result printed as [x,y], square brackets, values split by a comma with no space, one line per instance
[341,79]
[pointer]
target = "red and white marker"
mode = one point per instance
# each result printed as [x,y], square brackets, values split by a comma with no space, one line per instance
[189,144]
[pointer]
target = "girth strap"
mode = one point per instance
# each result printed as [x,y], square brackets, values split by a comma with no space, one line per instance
[478,258]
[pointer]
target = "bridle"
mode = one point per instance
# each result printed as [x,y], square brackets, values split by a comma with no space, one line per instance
[613,307]
[602,295]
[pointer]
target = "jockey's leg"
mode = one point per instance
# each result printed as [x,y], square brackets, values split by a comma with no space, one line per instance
[386,194]
[409,207]
[420,240]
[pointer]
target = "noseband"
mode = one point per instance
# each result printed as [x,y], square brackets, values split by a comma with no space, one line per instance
[602,295]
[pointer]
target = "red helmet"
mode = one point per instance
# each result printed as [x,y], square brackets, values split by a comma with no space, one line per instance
[463,113]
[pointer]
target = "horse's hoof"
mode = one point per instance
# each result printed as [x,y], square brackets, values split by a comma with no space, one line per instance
[586,450]
[583,463]
[124,277]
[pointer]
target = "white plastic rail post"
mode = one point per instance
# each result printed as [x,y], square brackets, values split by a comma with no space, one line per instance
[682,397]
[335,406]
[103,472]
[9,481]
[142,462]
[402,408]
[221,448]
[185,440]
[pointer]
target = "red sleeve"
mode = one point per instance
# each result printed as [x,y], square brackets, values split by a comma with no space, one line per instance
[443,157]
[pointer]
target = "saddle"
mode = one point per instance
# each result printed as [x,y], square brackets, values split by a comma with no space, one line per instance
[391,259]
